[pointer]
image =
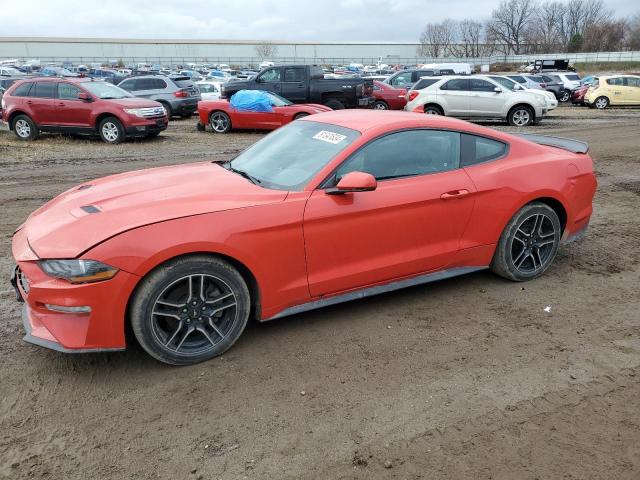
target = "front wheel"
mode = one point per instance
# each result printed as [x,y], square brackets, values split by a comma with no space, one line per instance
[220,122]
[25,128]
[520,116]
[565,95]
[190,310]
[111,130]
[528,244]
[601,103]
[301,115]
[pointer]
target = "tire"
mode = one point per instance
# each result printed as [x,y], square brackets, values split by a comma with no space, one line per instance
[200,127]
[334,104]
[301,115]
[528,244]
[520,116]
[433,110]
[153,134]
[186,115]
[219,122]
[565,96]
[179,326]
[24,128]
[601,103]
[111,130]
[380,105]
[168,109]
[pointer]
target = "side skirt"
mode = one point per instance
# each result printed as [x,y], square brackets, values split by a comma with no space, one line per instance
[376,290]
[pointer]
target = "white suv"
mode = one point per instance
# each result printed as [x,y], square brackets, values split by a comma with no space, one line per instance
[571,80]
[475,97]
[509,84]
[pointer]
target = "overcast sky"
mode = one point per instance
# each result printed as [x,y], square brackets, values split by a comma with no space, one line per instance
[315,20]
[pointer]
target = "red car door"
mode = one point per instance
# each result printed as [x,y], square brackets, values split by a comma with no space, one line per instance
[411,224]
[72,111]
[41,103]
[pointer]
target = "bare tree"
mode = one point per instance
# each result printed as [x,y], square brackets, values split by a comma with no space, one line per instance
[579,15]
[633,33]
[437,39]
[266,50]
[509,23]
[605,36]
[546,32]
[471,34]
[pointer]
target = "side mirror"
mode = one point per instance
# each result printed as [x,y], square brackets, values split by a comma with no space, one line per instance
[497,90]
[354,182]
[85,97]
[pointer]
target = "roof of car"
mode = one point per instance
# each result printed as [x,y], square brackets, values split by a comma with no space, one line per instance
[363,120]
[54,79]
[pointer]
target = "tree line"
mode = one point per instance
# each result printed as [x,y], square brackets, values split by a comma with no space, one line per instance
[533,26]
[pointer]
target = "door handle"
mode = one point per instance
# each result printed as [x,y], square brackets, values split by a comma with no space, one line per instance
[454,194]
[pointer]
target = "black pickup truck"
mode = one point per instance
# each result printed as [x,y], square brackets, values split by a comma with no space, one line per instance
[306,84]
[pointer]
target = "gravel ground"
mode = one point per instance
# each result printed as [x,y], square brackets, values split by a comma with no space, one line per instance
[465,378]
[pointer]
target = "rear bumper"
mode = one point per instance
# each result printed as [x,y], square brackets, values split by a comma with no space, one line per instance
[188,106]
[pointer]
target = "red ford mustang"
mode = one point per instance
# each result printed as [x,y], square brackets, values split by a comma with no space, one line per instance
[222,118]
[334,207]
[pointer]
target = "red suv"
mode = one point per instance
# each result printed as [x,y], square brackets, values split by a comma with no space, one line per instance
[79,105]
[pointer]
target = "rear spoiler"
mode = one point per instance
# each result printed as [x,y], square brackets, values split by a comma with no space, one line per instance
[574,146]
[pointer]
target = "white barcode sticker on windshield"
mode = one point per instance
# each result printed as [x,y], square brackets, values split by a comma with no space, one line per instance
[330,137]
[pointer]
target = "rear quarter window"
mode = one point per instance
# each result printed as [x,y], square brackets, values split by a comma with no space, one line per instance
[184,83]
[475,150]
[22,90]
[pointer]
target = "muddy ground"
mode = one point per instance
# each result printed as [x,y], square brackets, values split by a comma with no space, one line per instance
[465,378]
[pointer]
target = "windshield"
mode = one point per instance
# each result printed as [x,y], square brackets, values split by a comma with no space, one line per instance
[11,71]
[505,82]
[278,101]
[289,157]
[573,77]
[105,90]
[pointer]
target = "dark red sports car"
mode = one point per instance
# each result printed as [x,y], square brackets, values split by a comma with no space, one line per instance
[577,95]
[222,117]
[388,97]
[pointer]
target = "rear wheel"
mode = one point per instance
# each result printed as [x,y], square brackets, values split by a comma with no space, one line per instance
[334,104]
[300,115]
[220,122]
[380,105]
[433,110]
[111,130]
[528,244]
[601,103]
[24,128]
[190,310]
[167,109]
[520,116]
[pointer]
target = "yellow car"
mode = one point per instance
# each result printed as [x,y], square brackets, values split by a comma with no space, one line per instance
[613,90]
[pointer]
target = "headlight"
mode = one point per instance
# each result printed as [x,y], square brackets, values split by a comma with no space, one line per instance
[134,111]
[78,271]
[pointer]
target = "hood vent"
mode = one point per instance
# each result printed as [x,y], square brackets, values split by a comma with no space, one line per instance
[90,209]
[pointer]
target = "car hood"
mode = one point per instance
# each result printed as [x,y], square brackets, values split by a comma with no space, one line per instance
[133,102]
[88,214]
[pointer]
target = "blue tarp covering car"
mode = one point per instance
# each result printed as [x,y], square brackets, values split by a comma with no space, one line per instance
[251,101]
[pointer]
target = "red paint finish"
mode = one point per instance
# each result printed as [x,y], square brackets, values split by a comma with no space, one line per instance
[257,120]
[299,246]
[395,98]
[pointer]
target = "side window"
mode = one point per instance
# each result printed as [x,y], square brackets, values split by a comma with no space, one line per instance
[424,83]
[479,85]
[158,84]
[402,79]
[403,154]
[22,90]
[293,75]
[271,76]
[616,81]
[457,84]
[476,150]
[66,91]
[144,84]
[44,90]
[128,85]
[633,82]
